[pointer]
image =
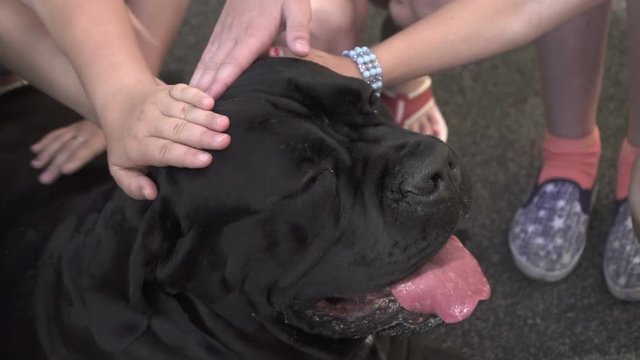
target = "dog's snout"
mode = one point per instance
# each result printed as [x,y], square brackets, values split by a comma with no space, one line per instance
[430,175]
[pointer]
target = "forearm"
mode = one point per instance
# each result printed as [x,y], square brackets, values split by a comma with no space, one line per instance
[27,49]
[465,31]
[100,43]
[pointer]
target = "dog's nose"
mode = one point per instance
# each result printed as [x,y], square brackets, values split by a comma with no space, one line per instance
[429,171]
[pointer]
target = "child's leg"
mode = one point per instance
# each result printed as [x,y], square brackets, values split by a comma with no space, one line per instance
[336,25]
[548,233]
[67,149]
[28,49]
[572,63]
[622,252]
[156,24]
[631,145]
[633,132]
[411,103]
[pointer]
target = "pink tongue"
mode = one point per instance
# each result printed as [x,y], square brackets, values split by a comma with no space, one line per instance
[449,285]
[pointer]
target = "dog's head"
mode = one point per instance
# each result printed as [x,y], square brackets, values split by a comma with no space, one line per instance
[318,223]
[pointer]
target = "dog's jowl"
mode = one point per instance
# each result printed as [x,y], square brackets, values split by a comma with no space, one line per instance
[320,228]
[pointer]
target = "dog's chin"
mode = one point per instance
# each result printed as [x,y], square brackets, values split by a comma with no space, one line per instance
[359,316]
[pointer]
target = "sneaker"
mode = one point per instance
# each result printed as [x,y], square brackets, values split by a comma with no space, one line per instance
[417,111]
[549,231]
[622,257]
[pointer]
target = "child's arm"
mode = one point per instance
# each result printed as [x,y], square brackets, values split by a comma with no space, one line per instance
[145,121]
[460,32]
[244,31]
[464,31]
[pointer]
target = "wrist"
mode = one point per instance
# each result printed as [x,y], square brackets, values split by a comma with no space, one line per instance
[116,104]
[111,96]
[368,65]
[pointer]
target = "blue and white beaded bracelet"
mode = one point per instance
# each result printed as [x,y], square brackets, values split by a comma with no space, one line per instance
[368,65]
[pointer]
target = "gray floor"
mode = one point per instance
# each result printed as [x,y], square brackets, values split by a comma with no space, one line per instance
[495,115]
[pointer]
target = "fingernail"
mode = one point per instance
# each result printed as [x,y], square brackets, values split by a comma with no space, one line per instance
[147,194]
[221,121]
[207,103]
[46,177]
[221,139]
[302,45]
[275,51]
[203,157]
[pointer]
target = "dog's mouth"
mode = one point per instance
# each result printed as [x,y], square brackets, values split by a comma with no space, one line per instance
[446,289]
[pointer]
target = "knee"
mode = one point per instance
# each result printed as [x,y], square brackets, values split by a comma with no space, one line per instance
[333,24]
[405,12]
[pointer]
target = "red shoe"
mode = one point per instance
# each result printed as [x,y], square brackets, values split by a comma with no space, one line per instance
[417,111]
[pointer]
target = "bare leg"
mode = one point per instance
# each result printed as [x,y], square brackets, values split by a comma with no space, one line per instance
[549,232]
[633,132]
[336,25]
[27,49]
[411,102]
[65,150]
[572,62]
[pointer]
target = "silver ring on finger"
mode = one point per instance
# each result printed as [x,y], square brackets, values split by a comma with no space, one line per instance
[79,138]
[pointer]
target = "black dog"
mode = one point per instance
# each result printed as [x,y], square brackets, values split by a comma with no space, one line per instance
[293,245]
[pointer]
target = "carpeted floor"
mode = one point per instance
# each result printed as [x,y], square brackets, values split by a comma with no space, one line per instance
[495,115]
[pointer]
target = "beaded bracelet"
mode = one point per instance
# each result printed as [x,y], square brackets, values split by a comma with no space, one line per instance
[368,65]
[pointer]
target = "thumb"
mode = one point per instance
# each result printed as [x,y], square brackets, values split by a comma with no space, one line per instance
[297,14]
[134,183]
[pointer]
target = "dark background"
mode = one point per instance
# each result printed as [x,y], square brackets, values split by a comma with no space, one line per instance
[495,117]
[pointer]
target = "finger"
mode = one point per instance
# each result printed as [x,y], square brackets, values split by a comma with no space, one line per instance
[48,139]
[221,64]
[160,152]
[234,57]
[134,183]
[297,15]
[209,61]
[53,170]
[192,96]
[52,148]
[82,155]
[196,116]
[193,135]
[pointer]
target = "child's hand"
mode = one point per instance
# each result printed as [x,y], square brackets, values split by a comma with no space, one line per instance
[244,30]
[65,150]
[164,125]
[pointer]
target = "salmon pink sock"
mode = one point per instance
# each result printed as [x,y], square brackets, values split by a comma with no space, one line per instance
[628,153]
[573,159]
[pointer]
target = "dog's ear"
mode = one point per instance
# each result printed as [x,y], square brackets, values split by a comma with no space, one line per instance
[164,250]
[83,299]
